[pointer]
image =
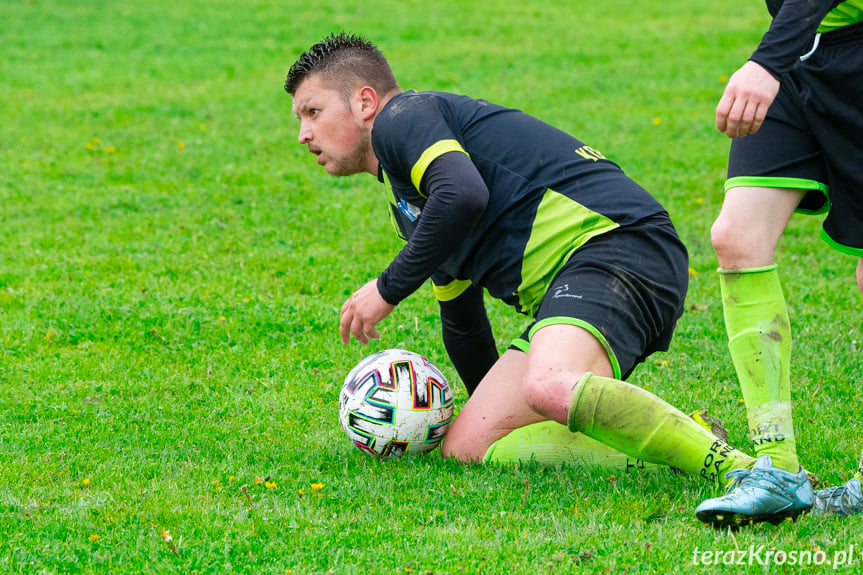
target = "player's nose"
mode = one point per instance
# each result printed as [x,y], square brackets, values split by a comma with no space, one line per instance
[305,134]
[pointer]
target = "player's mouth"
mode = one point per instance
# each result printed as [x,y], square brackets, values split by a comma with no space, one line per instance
[319,154]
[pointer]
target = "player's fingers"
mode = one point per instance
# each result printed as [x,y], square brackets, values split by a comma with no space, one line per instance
[345,331]
[345,321]
[369,331]
[735,116]
[358,329]
[758,120]
[722,110]
[745,121]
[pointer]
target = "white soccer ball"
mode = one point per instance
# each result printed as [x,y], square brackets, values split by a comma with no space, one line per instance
[395,402]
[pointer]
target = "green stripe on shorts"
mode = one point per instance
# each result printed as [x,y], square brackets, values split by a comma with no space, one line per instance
[848,250]
[790,183]
[520,344]
[561,320]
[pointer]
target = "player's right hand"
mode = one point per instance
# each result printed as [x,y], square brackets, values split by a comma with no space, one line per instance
[361,313]
[749,93]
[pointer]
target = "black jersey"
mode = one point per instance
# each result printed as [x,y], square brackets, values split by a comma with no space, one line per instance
[548,193]
[793,29]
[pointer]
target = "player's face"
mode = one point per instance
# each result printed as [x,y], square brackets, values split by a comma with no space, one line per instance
[330,129]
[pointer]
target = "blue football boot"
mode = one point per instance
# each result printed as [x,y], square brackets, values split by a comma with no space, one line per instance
[763,493]
[846,499]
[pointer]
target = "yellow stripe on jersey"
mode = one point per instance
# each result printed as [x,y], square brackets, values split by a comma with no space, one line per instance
[552,242]
[391,198]
[451,290]
[432,153]
[845,14]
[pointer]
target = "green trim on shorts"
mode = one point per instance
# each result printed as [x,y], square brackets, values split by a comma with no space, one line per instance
[848,250]
[520,344]
[562,320]
[791,183]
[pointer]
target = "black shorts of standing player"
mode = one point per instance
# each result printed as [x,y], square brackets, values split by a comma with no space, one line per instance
[627,287]
[812,139]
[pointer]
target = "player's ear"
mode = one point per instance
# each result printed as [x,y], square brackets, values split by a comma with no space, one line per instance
[367,102]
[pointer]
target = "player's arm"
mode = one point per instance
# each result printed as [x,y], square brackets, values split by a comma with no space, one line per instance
[467,334]
[791,33]
[751,90]
[457,196]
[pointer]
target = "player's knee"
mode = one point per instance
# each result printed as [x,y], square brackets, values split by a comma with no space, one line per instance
[453,447]
[446,450]
[725,238]
[737,246]
[536,393]
[550,394]
[464,439]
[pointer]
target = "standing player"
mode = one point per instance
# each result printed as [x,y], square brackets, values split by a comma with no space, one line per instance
[800,96]
[490,198]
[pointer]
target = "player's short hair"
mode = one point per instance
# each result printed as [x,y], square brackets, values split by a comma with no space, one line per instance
[345,61]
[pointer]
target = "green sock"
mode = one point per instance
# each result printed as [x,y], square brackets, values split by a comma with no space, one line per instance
[759,339]
[551,443]
[643,426]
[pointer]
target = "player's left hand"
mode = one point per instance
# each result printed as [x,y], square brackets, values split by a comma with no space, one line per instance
[362,312]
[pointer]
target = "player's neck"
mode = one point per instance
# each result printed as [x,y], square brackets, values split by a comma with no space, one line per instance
[373,165]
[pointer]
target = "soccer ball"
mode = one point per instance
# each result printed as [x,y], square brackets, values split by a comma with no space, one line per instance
[395,402]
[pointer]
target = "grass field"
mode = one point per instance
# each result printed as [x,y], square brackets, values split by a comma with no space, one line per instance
[173,264]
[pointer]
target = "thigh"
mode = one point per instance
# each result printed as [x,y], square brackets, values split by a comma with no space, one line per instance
[497,406]
[560,355]
[750,224]
[626,288]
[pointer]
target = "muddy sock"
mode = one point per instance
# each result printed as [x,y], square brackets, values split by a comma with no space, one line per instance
[759,339]
[645,427]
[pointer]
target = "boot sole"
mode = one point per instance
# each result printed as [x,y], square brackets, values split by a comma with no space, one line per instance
[734,521]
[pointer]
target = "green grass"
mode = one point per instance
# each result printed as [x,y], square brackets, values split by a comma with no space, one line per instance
[173,263]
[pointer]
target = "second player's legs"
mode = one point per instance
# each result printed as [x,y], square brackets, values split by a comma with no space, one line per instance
[747,230]
[745,236]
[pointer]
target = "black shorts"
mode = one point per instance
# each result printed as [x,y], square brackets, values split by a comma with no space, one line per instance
[812,139]
[627,287]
